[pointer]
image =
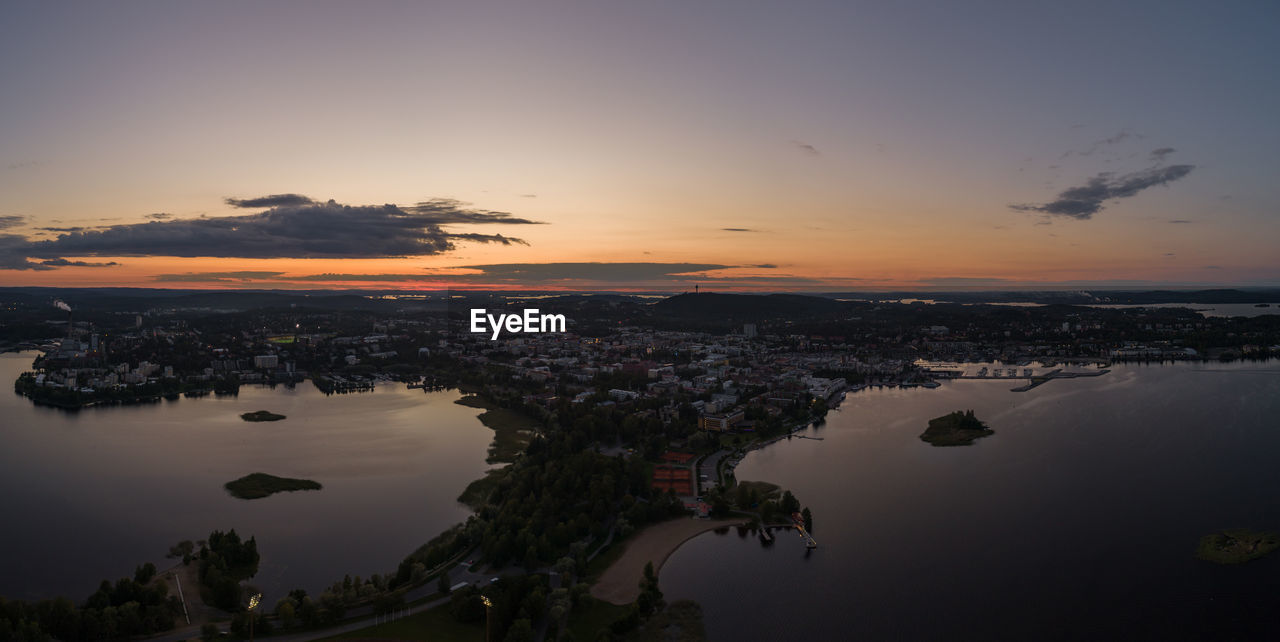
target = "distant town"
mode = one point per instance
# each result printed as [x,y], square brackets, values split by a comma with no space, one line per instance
[617,350]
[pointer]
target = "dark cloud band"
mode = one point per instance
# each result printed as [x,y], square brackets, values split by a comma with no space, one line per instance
[295,227]
[1088,199]
[274,200]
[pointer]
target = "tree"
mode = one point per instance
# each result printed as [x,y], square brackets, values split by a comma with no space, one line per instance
[208,632]
[309,611]
[334,609]
[789,503]
[144,573]
[286,613]
[567,567]
[808,519]
[521,631]
[465,606]
[650,599]
[442,585]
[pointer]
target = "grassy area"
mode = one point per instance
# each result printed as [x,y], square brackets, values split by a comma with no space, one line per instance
[258,485]
[765,489]
[681,621]
[587,620]
[607,557]
[479,490]
[261,415]
[511,430]
[474,401]
[432,624]
[1236,546]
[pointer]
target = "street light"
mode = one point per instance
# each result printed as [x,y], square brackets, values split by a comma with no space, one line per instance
[487,605]
[254,601]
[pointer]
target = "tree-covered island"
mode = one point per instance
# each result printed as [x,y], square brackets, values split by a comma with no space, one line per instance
[259,485]
[261,415]
[959,428]
[1236,546]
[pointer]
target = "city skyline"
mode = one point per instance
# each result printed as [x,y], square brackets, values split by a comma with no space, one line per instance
[639,148]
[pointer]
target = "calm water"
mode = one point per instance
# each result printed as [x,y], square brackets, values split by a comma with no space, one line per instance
[1205,309]
[1208,309]
[91,494]
[1078,519]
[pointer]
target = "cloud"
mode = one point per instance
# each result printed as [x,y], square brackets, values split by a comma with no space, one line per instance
[222,277]
[308,230]
[330,276]
[522,275]
[764,266]
[1121,137]
[274,200]
[65,263]
[1085,201]
[806,148]
[11,221]
[1179,220]
[489,238]
[13,255]
[75,228]
[965,281]
[1158,155]
[1118,138]
[736,229]
[444,211]
[160,216]
[611,272]
[623,274]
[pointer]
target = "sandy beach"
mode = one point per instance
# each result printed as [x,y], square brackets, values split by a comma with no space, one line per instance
[620,583]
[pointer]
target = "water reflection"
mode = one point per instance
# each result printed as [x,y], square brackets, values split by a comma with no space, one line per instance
[94,493]
[1078,519]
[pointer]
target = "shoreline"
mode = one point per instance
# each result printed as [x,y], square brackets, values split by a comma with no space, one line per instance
[620,583]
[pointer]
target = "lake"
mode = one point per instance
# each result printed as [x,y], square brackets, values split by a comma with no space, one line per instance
[94,493]
[1205,309]
[1078,519]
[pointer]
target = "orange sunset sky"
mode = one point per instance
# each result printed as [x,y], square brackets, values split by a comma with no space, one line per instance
[638,146]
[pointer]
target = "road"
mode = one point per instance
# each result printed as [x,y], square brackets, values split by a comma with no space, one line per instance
[459,573]
[708,467]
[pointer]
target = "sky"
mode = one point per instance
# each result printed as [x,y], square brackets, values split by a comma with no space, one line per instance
[640,146]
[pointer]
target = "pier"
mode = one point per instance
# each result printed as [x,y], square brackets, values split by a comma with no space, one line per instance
[809,542]
[1056,374]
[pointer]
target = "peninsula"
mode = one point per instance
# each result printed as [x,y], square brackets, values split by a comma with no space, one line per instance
[955,429]
[259,485]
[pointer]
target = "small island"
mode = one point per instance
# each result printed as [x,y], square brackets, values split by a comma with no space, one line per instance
[1236,546]
[955,429]
[259,485]
[261,415]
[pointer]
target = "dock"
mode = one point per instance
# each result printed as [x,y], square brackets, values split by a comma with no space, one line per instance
[1057,374]
[809,542]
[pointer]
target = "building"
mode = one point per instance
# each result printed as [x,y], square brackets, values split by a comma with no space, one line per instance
[720,422]
[269,361]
